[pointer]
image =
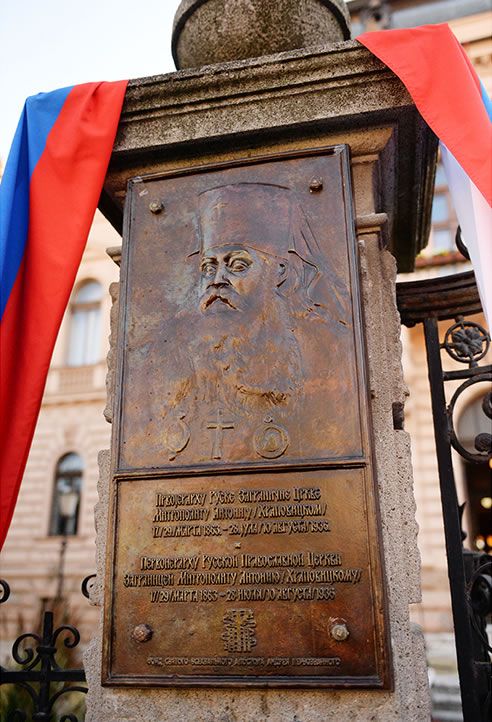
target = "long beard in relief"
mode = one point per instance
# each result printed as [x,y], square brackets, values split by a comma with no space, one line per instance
[249,359]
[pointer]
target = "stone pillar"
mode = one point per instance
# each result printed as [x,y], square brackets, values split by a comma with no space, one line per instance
[298,100]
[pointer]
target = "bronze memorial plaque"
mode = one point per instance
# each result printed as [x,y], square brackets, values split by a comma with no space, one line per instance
[245,541]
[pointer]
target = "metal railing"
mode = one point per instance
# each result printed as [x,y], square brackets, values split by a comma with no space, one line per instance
[470,572]
[38,672]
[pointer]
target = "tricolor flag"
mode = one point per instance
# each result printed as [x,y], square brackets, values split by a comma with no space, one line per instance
[48,195]
[448,94]
[54,176]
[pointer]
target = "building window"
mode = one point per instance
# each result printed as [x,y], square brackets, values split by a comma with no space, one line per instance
[444,221]
[84,346]
[477,477]
[66,495]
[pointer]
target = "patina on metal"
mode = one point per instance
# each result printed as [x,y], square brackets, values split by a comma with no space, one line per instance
[246,547]
[241,346]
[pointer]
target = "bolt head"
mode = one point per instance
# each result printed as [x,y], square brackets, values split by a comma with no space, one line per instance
[483,443]
[316,185]
[340,632]
[156,207]
[142,633]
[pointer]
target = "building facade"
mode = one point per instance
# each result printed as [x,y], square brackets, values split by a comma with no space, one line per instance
[71,430]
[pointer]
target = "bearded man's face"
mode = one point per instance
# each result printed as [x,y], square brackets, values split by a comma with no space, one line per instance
[236,278]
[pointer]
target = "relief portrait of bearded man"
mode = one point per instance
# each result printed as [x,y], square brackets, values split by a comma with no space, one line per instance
[255,310]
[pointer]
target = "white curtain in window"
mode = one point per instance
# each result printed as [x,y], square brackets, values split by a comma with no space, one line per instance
[85,326]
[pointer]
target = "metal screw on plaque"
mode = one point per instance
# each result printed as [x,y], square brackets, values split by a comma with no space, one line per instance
[339,632]
[156,207]
[316,185]
[142,633]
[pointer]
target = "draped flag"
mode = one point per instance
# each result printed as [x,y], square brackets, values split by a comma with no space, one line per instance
[49,193]
[54,176]
[448,94]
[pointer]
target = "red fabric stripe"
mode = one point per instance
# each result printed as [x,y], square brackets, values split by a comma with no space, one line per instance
[65,189]
[444,87]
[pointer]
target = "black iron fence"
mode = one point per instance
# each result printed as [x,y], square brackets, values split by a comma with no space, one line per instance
[454,298]
[37,669]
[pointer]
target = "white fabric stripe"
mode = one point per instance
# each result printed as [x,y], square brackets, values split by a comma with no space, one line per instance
[475,218]
[483,225]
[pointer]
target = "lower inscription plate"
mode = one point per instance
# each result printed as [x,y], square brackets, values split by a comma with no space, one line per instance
[259,579]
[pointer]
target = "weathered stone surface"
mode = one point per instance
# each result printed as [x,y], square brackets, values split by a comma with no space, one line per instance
[341,94]
[214,31]
[111,360]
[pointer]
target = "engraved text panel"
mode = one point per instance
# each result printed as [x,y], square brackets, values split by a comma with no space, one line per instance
[257,575]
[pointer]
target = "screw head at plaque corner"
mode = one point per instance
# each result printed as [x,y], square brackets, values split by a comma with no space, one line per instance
[315,185]
[156,207]
[142,633]
[339,631]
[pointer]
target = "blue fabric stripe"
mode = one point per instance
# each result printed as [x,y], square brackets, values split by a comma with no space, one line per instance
[486,101]
[38,117]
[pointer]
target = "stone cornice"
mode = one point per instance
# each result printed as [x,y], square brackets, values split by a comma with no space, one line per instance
[304,98]
[339,81]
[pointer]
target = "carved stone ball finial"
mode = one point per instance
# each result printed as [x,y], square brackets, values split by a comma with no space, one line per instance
[214,31]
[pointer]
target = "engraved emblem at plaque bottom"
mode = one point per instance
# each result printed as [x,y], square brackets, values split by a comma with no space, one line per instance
[239,630]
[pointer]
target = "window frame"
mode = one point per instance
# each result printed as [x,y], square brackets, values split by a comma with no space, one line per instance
[89,353]
[55,527]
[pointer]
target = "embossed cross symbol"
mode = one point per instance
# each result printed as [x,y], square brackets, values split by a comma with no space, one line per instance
[218,426]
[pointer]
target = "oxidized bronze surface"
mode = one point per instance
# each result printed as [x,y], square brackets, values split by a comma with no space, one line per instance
[245,542]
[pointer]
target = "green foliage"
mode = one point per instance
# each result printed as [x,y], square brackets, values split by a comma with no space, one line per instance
[13,697]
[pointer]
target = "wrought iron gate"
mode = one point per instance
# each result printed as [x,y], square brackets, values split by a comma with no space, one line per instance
[470,576]
[39,673]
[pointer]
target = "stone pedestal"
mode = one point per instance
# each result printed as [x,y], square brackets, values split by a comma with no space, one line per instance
[302,99]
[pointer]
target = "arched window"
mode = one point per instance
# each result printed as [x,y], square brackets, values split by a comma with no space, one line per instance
[84,345]
[66,495]
[472,422]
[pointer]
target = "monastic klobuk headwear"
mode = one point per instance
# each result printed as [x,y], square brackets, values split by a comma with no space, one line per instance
[269,219]
[259,215]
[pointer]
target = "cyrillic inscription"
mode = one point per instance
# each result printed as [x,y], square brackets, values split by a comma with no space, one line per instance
[216,564]
[292,577]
